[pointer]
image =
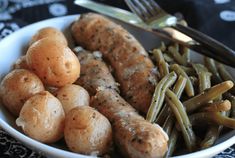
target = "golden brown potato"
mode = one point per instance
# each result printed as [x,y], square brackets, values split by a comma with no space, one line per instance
[87,131]
[54,63]
[21,63]
[49,32]
[71,96]
[42,118]
[17,87]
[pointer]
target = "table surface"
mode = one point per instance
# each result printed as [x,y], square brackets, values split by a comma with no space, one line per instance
[15,14]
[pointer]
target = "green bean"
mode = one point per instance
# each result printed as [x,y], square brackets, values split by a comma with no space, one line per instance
[179,86]
[194,80]
[211,136]
[204,83]
[212,118]
[167,126]
[178,90]
[231,98]
[182,118]
[172,142]
[219,106]
[176,55]
[210,64]
[186,54]
[158,96]
[189,70]
[225,75]
[189,86]
[162,65]
[168,58]
[209,94]
[157,53]
[203,75]
[163,47]
[163,68]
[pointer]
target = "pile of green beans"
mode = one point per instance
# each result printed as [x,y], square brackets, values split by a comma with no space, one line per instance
[191,94]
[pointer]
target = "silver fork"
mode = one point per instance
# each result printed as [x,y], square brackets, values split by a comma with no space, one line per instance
[153,15]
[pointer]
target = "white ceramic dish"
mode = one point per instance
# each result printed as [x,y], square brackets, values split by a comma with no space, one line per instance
[13,46]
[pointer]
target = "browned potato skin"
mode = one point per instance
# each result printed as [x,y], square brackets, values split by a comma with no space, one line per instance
[87,131]
[94,73]
[49,32]
[132,67]
[71,96]
[42,118]
[133,135]
[17,87]
[54,63]
[21,63]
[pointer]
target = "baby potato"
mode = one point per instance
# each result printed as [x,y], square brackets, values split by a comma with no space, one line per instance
[54,63]
[16,87]
[49,32]
[72,95]
[42,118]
[87,131]
[21,63]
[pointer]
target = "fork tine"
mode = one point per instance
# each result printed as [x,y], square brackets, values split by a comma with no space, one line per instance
[155,6]
[133,8]
[149,7]
[138,9]
[143,8]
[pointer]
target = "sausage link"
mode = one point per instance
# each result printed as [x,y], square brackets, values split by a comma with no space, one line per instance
[131,64]
[133,135]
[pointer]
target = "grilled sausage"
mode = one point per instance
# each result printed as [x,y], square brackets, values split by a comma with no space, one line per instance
[133,135]
[132,67]
[93,72]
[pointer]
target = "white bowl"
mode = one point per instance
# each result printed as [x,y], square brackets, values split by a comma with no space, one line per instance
[13,46]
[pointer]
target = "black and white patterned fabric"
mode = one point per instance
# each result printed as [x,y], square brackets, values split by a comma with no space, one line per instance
[214,17]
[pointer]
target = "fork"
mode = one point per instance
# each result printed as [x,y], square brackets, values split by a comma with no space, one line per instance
[153,15]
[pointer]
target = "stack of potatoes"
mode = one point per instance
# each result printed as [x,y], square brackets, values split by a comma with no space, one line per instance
[39,91]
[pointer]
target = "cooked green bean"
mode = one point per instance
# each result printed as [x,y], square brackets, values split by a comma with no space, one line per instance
[163,47]
[219,106]
[204,83]
[158,96]
[182,118]
[157,53]
[210,64]
[172,142]
[186,54]
[211,136]
[212,118]
[178,90]
[209,94]
[162,65]
[203,75]
[179,86]
[225,75]
[189,86]
[167,126]
[194,80]
[163,68]
[189,70]
[176,55]
[231,98]
[168,58]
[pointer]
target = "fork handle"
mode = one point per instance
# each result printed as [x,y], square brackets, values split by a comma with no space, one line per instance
[211,44]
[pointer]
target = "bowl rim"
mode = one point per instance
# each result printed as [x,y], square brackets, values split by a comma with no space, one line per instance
[45,148]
